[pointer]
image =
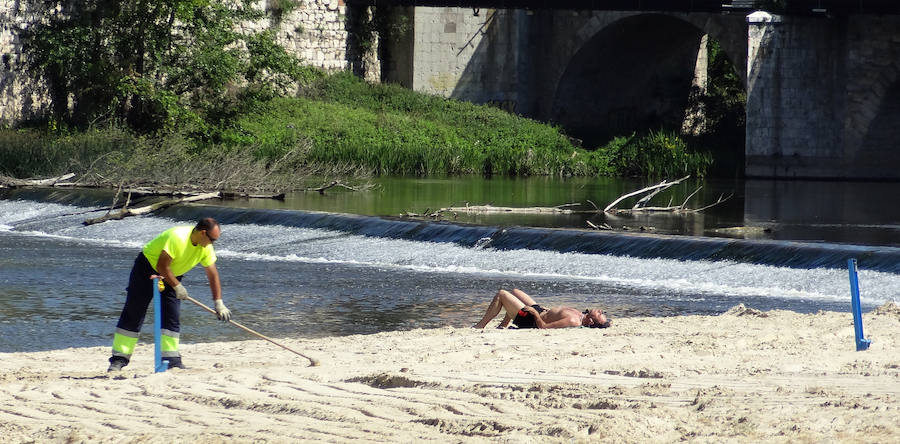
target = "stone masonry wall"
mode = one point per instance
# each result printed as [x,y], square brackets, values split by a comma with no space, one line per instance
[821,97]
[19,97]
[516,58]
[316,31]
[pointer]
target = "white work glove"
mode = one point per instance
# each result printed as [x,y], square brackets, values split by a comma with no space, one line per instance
[222,312]
[180,291]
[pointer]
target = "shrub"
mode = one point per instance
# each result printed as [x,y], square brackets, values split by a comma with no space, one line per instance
[656,154]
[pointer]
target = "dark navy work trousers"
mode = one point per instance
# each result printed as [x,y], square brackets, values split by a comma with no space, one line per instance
[140,293]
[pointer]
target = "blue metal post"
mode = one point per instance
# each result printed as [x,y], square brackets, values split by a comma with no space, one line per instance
[861,342]
[161,365]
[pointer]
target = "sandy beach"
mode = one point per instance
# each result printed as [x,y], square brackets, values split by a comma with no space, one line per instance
[744,376]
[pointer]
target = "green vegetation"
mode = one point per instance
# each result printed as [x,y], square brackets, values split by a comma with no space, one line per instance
[342,125]
[391,130]
[724,104]
[168,92]
[657,154]
[151,65]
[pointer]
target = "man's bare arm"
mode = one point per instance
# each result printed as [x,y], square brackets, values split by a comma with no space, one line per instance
[215,285]
[163,267]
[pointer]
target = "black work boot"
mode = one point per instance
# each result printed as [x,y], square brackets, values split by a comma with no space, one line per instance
[116,363]
[175,362]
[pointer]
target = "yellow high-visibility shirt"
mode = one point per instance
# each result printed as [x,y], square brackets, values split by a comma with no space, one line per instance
[176,241]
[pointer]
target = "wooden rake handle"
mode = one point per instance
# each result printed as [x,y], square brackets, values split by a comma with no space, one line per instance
[312,362]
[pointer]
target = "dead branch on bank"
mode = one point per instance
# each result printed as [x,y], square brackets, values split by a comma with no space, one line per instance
[126,212]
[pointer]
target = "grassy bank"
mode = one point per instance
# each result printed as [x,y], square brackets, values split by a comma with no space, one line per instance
[340,125]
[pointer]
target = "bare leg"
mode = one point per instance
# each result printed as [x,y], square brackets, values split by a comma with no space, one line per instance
[503,299]
[522,296]
[505,322]
[492,311]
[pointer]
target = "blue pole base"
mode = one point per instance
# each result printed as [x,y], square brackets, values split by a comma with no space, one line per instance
[161,365]
[861,342]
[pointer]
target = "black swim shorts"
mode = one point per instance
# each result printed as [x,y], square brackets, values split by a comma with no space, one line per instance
[525,319]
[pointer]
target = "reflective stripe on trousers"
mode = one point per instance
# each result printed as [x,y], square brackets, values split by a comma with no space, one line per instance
[137,301]
[124,342]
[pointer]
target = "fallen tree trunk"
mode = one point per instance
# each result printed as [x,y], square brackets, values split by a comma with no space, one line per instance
[559,209]
[48,182]
[126,212]
[241,195]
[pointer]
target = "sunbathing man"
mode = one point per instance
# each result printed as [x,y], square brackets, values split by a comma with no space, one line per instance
[528,314]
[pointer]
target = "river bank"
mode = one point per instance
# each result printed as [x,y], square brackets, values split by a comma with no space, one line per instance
[743,376]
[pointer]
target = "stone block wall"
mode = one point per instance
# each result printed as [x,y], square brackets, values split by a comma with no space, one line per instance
[20,98]
[822,97]
[516,59]
[466,56]
[315,31]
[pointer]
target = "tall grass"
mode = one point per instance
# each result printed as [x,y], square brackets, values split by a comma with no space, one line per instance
[391,130]
[31,152]
[342,125]
[658,153]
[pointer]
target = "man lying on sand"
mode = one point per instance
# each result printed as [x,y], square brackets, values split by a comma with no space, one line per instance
[528,314]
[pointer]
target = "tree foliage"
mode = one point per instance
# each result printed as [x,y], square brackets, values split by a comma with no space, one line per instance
[153,64]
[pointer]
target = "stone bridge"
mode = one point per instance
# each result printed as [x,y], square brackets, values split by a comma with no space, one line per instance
[823,84]
[823,90]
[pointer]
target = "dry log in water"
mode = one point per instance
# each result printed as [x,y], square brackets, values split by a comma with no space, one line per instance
[559,209]
[641,204]
[48,182]
[335,183]
[242,195]
[126,212]
[655,188]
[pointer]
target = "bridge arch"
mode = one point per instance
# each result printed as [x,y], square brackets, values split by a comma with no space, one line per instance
[873,106]
[878,152]
[618,76]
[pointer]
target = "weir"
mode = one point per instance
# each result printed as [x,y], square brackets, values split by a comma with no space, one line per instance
[765,252]
[361,274]
[793,254]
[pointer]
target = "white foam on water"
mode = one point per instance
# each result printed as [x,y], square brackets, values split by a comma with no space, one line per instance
[667,277]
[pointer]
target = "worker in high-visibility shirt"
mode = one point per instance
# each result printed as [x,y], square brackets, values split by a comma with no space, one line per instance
[170,255]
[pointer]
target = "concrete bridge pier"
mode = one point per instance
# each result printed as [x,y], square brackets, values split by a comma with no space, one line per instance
[823,97]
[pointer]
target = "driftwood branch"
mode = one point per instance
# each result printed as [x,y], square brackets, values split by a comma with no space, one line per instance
[603,226]
[559,209]
[48,182]
[241,195]
[722,198]
[126,212]
[655,188]
[641,204]
[334,183]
